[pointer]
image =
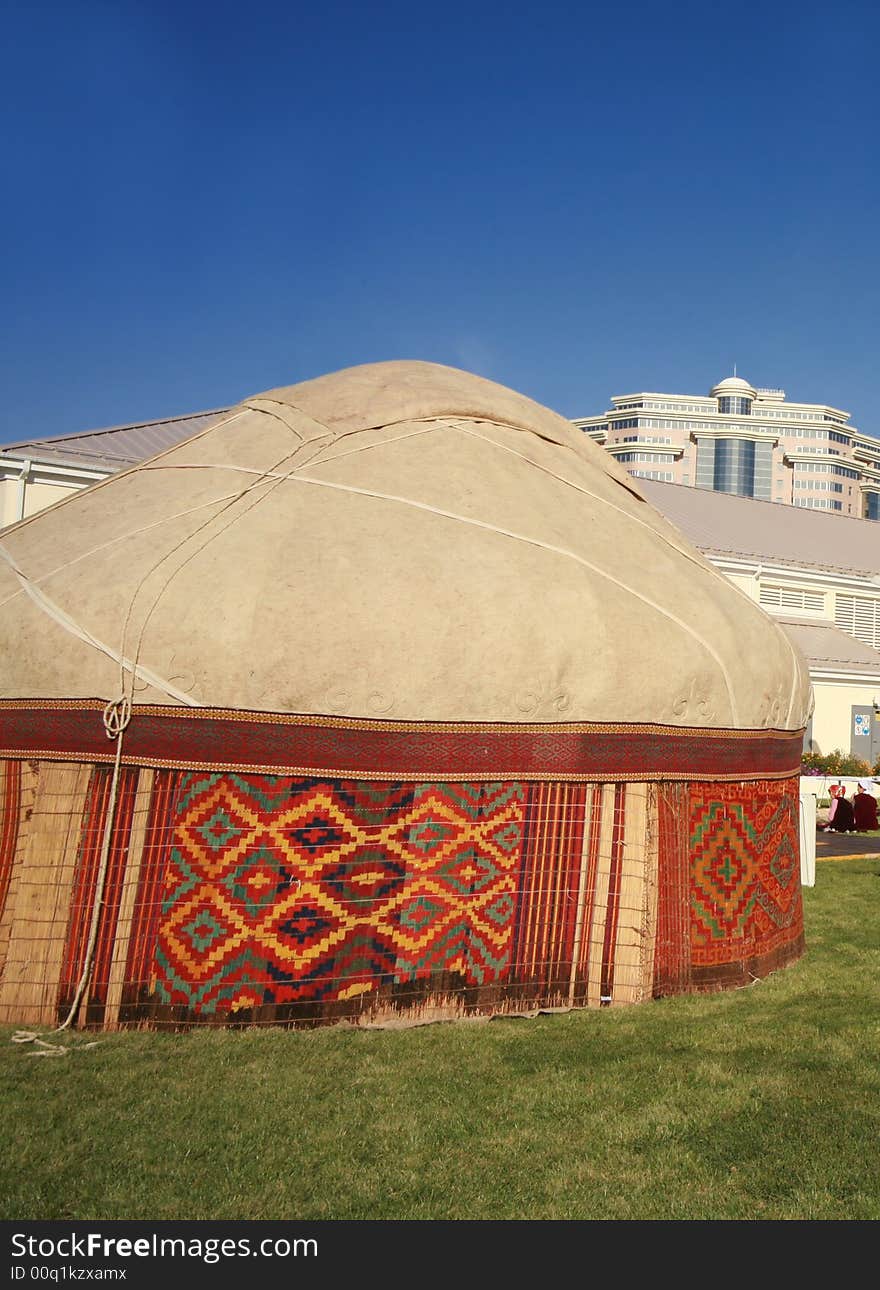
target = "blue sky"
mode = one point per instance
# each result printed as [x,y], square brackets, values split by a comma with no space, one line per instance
[206,200]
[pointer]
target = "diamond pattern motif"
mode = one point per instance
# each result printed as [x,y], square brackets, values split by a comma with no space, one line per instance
[745,880]
[283,891]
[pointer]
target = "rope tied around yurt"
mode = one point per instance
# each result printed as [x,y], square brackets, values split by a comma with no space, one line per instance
[116,717]
[42,1047]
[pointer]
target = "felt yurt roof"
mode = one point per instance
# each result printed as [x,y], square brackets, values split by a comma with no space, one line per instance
[400,540]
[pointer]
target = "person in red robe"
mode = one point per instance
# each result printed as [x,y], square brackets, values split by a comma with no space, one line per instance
[843,820]
[865,810]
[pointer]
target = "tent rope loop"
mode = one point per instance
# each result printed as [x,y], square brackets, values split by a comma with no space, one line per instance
[117,715]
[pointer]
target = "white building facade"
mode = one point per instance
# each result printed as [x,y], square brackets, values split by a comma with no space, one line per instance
[36,473]
[819,576]
[747,441]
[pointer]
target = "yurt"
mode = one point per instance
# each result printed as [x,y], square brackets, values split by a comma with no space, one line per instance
[386,698]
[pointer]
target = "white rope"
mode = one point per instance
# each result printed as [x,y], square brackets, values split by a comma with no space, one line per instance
[323,431]
[64,620]
[262,477]
[546,546]
[42,1047]
[588,492]
[122,537]
[430,424]
[116,717]
[296,476]
[317,460]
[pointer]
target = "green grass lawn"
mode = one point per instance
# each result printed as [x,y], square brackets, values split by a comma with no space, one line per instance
[761,1103]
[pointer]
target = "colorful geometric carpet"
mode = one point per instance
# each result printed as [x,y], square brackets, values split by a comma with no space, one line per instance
[253,898]
[745,873]
[282,891]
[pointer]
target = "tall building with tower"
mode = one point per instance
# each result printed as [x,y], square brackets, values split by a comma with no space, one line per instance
[748,441]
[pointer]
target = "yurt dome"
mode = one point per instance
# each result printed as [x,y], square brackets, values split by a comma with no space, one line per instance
[385,697]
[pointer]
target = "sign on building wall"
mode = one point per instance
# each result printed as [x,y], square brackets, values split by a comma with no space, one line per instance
[865,740]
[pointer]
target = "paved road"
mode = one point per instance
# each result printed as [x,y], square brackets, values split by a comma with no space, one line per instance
[834,846]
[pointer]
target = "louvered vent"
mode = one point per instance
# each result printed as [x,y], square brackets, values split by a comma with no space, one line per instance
[860,617]
[811,602]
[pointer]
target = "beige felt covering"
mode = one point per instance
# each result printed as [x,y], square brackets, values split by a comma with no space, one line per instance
[400,540]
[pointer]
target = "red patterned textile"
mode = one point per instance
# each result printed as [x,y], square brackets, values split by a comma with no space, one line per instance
[307,899]
[11,805]
[210,739]
[672,951]
[137,993]
[242,898]
[613,905]
[82,903]
[547,892]
[746,910]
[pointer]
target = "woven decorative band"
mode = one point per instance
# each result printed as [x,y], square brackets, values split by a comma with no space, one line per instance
[213,739]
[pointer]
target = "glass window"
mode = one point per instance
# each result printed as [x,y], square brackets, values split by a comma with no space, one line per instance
[735,467]
[738,406]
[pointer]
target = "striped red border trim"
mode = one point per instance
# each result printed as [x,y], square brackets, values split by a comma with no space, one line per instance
[84,893]
[547,890]
[148,901]
[672,961]
[112,896]
[11,803]
[219,740]
[612,913]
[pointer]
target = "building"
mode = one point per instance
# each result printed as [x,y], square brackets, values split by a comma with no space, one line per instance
[748,441]
[819,575]
[35,473]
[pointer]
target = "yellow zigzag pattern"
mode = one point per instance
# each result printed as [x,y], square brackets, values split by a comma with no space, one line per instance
[424,888]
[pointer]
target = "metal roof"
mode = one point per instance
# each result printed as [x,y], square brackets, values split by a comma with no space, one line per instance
[719,524]
[115,447]
[742,528]
[824,645]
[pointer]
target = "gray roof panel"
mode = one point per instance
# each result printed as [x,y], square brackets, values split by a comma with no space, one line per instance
[740,527]
[825,646]
[116,447]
